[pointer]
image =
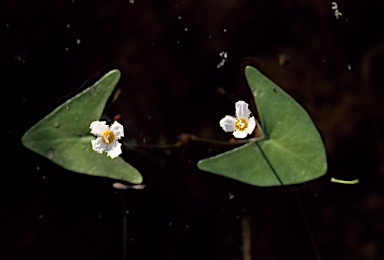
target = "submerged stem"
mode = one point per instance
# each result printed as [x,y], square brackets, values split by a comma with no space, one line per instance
[124,250]
[302,210]
[308,227]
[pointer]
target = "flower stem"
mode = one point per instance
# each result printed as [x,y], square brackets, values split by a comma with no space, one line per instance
[185,138]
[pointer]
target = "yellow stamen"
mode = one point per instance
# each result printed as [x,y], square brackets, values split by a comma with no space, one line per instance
[241,124]
[108,137]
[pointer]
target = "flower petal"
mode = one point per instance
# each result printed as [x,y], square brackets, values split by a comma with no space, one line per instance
[242,110]
[98,145]
[251,125]
[240,134]
[98,127]
[114,150]
[117,129]
[228,123]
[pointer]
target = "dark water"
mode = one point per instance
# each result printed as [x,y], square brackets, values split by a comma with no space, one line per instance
[168,53]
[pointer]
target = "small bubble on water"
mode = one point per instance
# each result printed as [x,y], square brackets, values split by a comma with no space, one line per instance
[38,168]
[78,41]
[127,212]
[224,30]
[66,49]
[68,26]
[186,29]
[349,67]
[179,17]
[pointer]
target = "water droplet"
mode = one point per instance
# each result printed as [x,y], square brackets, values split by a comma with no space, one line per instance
[68,26]
[179,17]
[186,29]
[78,41]
[131,2]
[349,67]
[67,107]
[56,124]
[224,30]
[66,49]
[231,196]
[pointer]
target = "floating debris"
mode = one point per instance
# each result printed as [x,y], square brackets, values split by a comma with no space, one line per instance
[356,181]
[224,58]
[335,7]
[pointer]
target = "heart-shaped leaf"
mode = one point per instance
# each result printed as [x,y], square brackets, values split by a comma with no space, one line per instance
[292,151]
[64,136]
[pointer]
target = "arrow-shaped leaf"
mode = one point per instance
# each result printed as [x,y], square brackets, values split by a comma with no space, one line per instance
[292,151]
[64,136]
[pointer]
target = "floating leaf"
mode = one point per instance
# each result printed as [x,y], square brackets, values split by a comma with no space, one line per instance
[64,136]
[292,151]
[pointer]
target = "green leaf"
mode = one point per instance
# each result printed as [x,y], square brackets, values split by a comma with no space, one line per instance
[292,151]
[64,136]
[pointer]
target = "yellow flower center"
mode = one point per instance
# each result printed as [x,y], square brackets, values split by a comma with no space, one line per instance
[241,124]
[108,137]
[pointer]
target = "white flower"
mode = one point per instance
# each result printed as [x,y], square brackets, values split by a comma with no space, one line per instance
[242,124]
[107,138]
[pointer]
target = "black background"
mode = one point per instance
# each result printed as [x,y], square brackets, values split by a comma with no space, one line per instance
[168,52]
